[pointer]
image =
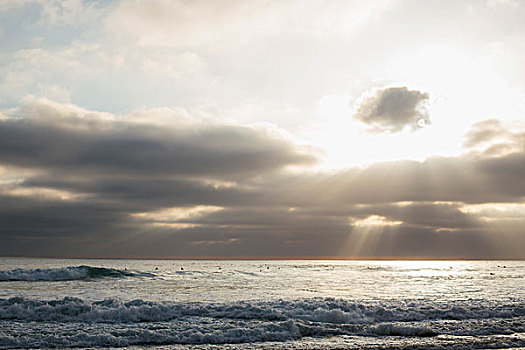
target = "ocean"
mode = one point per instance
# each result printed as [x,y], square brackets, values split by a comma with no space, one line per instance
[218,304]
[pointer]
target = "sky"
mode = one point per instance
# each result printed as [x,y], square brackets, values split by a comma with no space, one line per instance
[262,129]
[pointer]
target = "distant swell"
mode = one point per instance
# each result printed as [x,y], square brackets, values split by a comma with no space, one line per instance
[67,274]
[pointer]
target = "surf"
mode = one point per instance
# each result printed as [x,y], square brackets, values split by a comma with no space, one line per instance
[71,273]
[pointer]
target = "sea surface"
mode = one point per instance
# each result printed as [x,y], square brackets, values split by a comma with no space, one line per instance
[176,304]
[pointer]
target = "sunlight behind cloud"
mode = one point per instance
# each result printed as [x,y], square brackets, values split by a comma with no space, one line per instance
[250,123]
[463,88]
[374,220]
[346,141]
[497,211]
[176,218]
[463,84]
[366,234]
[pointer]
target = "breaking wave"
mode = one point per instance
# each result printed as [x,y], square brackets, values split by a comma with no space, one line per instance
[83,272]
[324,310]
[112,322]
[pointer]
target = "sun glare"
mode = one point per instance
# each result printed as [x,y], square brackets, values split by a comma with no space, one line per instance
[476,93]
[424,268]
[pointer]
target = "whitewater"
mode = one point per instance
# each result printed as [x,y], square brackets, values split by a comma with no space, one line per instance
[177,304]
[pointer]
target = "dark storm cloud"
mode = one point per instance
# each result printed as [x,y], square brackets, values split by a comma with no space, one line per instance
[506,174]
[39,226]
[437,216]
[113,168]
[393,109]
[443,179]
[435,230]
[274,233]
[91,185]
[144,194]
[408,241]
[55,136]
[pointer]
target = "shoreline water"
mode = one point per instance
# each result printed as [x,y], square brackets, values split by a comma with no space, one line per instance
[219,304]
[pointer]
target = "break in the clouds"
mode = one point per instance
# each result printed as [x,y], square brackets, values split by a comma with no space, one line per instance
[195,129]
[393,109]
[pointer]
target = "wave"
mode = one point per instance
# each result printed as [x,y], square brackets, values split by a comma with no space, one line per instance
[324,310]
[82,272]
[111,322]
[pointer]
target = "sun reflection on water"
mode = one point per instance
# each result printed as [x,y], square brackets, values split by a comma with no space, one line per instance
[426,268]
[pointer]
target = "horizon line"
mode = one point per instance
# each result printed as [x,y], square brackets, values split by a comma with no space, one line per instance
[271,258]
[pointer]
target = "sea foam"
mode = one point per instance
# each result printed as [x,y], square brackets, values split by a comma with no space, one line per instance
[320,310]
[112,322]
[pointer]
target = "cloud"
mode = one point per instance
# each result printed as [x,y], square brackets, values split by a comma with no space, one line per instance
[73,179]
[55,12]
[493,137]
[163,183]
[199,22]
[393,109]
[79,181]
[69,139]
[11,4]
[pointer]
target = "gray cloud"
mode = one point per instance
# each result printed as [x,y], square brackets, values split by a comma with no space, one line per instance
[484,131]
[280,233]
[444,179]
[86,184]
[393,109]
[493,137]
[76,182]
[61,137]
